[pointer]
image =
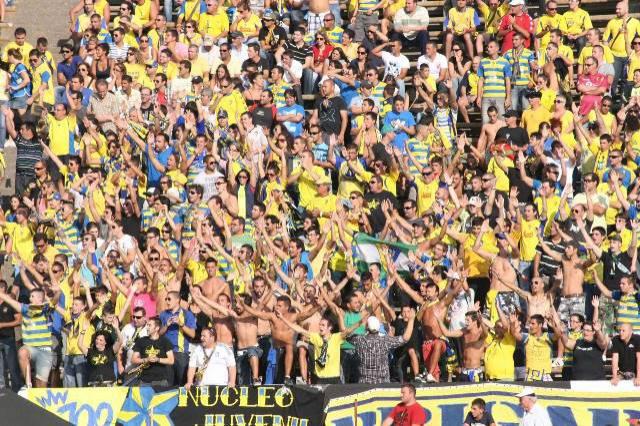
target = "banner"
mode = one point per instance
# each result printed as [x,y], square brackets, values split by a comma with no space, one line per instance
[367,249]
[80,406]
[448,405]
[207,405]
[249,406]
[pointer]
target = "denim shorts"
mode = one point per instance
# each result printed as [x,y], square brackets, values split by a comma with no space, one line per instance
[252,351]
[42,359]
[18,103]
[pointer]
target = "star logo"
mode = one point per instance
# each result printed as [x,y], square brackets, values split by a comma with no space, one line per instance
[144,407]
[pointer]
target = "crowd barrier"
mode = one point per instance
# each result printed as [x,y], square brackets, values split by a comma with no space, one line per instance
[568,403]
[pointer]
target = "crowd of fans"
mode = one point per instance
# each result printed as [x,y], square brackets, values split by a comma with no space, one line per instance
[180,218]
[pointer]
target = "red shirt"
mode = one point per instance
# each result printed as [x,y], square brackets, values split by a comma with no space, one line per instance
[523,21]
[589,102]
[407,415]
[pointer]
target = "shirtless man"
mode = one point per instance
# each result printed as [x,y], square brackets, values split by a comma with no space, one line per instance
[282,335]
[220,314]
[434,307]
[502,274]
[474,335]
[318,9]
[573,268]
[311,325]
[489,129]
[260,295]
[246,331]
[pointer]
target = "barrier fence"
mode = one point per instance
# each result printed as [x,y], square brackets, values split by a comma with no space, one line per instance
[568,403]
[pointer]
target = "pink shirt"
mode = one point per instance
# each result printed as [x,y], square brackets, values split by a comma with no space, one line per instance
[589,102]
[146,301]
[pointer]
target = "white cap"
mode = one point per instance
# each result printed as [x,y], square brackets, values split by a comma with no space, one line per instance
[516,3]
[173,194]
[373,324]
[527,391]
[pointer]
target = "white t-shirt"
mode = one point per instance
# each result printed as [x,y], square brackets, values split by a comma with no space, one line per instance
[217,370]
[420,17]
[435,65]
[128,331]
[538,416]
[208,182]
[394,64]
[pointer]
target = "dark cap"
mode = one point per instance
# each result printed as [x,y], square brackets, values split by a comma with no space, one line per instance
[196,80]
[223,114]
[366,85]
[511,113]
[235,34]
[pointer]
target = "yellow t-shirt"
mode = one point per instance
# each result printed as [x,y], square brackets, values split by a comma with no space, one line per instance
[491,27]
[634,64]
[498,358]
[62,134]
[548,98]
[426,194]
[577,22]
[250,26]
[326,205]
[529,239]
[502,180]
[332,365]
[616,39]
[477,265]
[170,69]
[75,326]
[24,50]
[588,51]
[214,25]
[22,240]
[531,119]
[538,356]
[307,185]
[608,119]
[555,22]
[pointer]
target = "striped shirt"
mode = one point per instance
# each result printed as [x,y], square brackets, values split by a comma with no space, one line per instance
[36,326]
[520,65]
[364,5]
[494,72]
[28,153]
[628,309]
[187,230]
[72,235]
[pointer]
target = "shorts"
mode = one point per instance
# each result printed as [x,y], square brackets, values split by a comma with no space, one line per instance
[252,351]
[42,359]
[569,306]
[427,349]
[302,344]
[473,375]
[18,103]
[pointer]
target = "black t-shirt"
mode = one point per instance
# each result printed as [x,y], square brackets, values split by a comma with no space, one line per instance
[329,114]
[626,353]
[485,420]
[514,135]
[148,347]
[261,65]
[614,267]
[7,315]
[374,204]
[299,54]
[400,326]
[587,361]
[272,37]
[263,116]
[101,365]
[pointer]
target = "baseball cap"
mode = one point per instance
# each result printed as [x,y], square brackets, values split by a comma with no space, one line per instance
[366,85]
[526,391]
[235,34]
[207,41]
[373,324]
[269,15]
[196,80]
[223,114]
[324,180]
[516,3]
[173,194]
[511,113]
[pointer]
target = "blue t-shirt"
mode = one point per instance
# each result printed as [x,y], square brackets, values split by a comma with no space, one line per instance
[294,128]
[180,342]
[397,119]
[69,70]
[154,174]
[346,91]
[17,79]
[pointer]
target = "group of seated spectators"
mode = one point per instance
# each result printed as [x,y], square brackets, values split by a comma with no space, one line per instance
[256,193]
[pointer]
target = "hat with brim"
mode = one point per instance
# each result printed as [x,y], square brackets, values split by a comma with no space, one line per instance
[527,391]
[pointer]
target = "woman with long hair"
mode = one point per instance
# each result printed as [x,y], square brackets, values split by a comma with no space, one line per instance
[459,65]
[101,66]
[19,83]
[190,35]
[321,50]
[101,355]
[148,52]
[253,94]
[221,74]
[89,80]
